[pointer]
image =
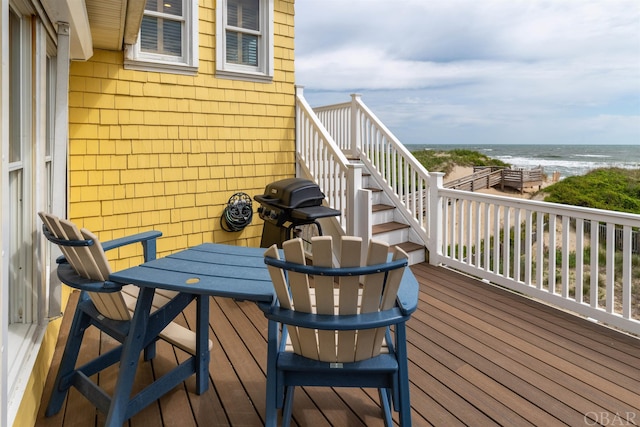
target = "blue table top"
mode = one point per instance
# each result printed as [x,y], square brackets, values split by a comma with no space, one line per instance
[208,269]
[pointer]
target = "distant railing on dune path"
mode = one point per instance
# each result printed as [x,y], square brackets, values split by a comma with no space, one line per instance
[484,177]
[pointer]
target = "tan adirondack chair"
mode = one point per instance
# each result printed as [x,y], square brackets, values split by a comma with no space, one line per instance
[103,304]
[337,322]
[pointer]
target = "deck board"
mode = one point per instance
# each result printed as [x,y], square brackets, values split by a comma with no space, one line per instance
[478,355]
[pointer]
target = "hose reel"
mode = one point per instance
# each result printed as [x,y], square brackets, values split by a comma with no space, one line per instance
[237,214]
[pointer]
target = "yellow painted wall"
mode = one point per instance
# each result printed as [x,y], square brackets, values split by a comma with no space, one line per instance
[33,399]
[164,151]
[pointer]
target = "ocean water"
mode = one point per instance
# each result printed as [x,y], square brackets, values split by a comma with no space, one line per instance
[567,160]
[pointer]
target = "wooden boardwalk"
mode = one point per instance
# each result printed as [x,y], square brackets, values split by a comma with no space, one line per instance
[484,177]
[478,356]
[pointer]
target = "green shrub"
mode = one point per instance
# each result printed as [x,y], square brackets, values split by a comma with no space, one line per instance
[608,188]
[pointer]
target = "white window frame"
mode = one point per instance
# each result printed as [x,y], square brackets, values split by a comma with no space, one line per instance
[136,59]
[21,338]
[264,71]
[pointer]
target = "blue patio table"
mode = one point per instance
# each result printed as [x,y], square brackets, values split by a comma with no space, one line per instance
[202,271]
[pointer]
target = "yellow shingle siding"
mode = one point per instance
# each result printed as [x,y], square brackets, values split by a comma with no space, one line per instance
[164,151]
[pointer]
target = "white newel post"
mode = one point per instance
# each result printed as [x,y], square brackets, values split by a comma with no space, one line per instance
[354,142]
[354,211]
[364,219]
[434,242]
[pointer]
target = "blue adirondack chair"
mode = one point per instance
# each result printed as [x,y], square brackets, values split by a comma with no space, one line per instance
[109,307]
[332,326]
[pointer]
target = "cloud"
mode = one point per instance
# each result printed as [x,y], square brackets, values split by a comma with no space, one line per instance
[481,65]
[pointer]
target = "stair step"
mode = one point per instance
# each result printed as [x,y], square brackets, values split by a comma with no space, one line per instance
[409,247]
[381,207]
[387,227]
[374,189]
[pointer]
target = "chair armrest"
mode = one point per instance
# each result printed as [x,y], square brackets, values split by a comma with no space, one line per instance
[69,277]
[147,238]
[335,322]
[407,297]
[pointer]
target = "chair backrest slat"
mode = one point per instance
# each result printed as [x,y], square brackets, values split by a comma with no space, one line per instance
[299,288]
[368,345]
[86,256]
[350,256]
[89,262]
[70,252]
[348,295]
[281,288]
[325,297]
[389,294]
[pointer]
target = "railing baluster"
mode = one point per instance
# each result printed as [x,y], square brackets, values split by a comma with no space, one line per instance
[552,253]
[565,256]
[496,238]
[610,284]
[517,245]
[594,270]
[528,247]
[540,251]
[626,271]
[468,233]
[506,242]
[579,289]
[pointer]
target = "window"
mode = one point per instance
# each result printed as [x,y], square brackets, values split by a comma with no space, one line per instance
[30,102]
[244,42]
[168,39]
[21,307]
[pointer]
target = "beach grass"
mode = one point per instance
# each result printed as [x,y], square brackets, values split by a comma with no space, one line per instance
[607,188]
[445,161]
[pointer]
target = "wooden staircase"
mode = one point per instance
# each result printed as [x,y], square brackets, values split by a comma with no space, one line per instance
[388,226]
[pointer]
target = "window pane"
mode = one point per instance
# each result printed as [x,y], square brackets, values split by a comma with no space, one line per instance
[232,47]
[149,34]
[50,104]
[163,36]
[15,77]
[172,38]
[244,14]
[250,50]
[170,7]
[242,48]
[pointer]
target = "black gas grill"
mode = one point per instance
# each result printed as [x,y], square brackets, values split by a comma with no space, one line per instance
[289,203]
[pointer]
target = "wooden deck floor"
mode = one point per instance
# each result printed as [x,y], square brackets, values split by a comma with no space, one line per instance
[479,356]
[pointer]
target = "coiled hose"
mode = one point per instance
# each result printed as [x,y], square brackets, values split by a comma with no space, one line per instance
[237,214]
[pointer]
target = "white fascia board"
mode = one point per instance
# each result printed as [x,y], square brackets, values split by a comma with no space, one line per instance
[80,37]
[73,12]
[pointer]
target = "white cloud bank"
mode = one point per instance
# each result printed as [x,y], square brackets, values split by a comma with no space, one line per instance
[468,71]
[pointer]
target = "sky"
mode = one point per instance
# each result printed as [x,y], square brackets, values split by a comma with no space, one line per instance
[478,71]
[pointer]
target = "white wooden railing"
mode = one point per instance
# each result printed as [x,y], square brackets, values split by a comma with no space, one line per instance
[318,158]
[543,250]
[391,165]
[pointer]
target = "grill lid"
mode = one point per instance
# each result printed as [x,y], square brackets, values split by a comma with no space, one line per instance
[291,193]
